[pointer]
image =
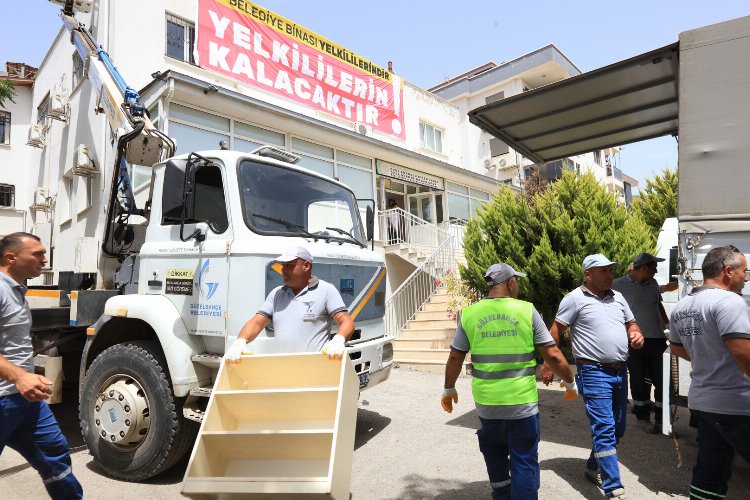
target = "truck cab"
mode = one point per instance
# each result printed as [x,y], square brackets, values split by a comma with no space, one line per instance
[201,263]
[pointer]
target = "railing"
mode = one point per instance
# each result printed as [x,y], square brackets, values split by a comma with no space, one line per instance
[399,226]
[408,299]
[457,229]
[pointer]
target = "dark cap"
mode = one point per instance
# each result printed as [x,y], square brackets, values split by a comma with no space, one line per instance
[645,258]
[500,273]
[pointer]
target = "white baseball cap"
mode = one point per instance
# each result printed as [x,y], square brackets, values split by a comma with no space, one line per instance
[295,252]
[597,260]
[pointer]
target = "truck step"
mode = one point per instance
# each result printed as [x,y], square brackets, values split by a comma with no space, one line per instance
[209,359]
[201,392]
[193,410]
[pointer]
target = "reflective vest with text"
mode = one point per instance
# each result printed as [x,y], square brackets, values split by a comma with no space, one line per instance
[501,340]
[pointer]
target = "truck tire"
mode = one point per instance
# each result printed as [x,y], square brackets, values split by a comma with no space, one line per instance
[130,419]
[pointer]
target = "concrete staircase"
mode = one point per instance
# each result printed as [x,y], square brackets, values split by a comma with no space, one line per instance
[425,342]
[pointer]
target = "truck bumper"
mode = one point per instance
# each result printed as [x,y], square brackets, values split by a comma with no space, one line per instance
[372,360]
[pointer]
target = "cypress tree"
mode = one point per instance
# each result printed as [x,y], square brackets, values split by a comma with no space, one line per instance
[548,234]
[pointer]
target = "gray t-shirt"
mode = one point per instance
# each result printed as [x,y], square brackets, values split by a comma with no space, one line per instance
[700,322]
[15,325]
[597,325]
[302,323]
[542,337]
[644,300]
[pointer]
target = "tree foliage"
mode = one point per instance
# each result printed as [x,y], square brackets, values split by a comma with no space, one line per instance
[7,91]
[658,200]
[548,235]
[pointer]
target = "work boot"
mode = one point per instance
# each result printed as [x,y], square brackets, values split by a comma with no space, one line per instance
[594,476]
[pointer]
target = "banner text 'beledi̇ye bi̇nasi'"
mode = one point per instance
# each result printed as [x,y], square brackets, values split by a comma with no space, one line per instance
[251,44]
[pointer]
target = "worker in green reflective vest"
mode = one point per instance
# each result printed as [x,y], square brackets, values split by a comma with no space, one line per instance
[501,333]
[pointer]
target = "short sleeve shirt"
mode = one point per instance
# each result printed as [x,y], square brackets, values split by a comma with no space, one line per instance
[700,322]
[302,323]
[15,324]
[597,325]
[643,299]
[542,337]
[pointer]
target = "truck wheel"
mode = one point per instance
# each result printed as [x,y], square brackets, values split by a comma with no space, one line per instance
[130,420]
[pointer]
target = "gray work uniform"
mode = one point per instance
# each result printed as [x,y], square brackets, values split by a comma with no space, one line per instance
[701,322]
[644,300]
[15,324]
[597,325]
[542,337]
[302,323]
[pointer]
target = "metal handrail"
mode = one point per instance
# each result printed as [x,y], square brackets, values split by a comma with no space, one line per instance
[399,226]
[418,288]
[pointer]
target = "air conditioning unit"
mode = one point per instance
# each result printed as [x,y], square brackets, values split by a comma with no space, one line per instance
[58,106]
[503,162]
[362,129]
[37,134]
[83,164]
[42,200]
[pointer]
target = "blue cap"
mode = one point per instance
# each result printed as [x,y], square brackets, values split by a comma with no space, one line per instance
[596,260]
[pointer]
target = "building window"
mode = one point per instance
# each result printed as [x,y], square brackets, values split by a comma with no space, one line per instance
[42,111]
[180,39]
[463,201]
[7,195]
[598,157]
[430,137]
[77,70]
[4,127]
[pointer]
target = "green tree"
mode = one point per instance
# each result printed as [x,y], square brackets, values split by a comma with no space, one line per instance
[7,91]
[658,200]
[548,235]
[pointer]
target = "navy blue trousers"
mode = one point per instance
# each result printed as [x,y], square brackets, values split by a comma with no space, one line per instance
[31,430]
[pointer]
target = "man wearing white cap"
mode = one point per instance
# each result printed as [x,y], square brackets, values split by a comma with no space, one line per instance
[302,311]
[501,333]
[602,326]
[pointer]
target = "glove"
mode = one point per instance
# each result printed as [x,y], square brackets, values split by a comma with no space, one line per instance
[234,353]
[335,347]
[571,390]
[450,396]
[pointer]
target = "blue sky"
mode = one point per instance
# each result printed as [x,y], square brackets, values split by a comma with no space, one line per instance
[431,41]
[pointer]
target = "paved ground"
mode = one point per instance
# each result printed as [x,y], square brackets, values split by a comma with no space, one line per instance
[408,448]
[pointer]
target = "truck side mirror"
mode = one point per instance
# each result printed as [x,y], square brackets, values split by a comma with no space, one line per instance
[370,223]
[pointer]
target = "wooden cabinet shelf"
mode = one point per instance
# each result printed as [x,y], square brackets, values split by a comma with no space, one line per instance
[277,426]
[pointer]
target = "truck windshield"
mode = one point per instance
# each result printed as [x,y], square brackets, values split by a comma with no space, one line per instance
[282,201]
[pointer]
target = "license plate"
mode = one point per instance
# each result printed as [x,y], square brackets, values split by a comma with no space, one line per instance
[364,379]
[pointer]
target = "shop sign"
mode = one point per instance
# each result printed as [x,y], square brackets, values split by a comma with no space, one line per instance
[257,47]
[406,174]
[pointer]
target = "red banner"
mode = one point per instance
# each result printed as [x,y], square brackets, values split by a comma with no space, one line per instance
[257,47]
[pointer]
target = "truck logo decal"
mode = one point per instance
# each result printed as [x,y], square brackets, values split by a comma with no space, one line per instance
[207,289]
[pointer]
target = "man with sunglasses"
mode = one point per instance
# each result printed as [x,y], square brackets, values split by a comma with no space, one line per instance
[642,292]
[711,328]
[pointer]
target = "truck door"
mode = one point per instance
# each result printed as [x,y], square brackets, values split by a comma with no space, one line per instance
[196,273]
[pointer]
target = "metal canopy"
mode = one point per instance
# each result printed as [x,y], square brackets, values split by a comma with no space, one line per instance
[625,102]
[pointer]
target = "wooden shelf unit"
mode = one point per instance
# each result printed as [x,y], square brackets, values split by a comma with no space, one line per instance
[277,426]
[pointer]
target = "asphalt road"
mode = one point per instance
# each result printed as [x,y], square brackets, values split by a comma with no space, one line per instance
[407,448]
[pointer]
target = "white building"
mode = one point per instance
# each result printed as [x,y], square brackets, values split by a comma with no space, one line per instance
[15,117]
[435,164]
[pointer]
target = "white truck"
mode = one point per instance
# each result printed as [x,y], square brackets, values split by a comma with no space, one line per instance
[695,89]
[182,264]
